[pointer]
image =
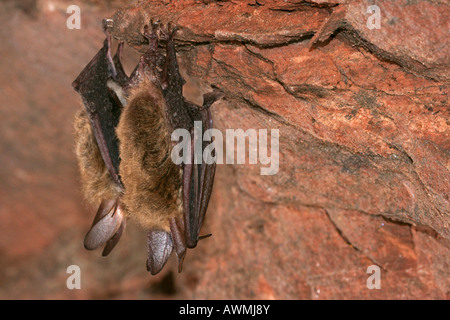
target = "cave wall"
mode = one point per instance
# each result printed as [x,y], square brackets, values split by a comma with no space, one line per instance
[363,173]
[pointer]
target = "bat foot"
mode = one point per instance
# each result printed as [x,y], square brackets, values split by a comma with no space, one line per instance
[167,32]
[153,33]
[152,37]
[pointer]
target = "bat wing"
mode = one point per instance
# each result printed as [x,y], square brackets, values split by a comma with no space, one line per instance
[102,107]
[100,85]
[198,178]
[196,189]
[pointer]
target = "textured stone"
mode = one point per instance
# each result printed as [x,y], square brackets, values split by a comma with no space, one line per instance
[364,151]
[363,120]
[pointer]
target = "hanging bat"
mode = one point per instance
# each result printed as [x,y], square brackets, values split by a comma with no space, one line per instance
[123,147]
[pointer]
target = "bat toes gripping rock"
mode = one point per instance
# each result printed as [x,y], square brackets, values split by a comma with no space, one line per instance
[151,34]
[167,31]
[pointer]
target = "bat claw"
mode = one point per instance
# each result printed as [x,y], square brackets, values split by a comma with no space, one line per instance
[151,56]
[211,97]
[150,35]
[108,24]
[205,236]
[155,24]
[172,30]
[153,34]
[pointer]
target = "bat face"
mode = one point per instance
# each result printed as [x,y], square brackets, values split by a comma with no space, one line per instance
[123,147]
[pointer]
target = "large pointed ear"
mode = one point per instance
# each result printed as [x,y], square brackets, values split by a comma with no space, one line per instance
[106,224]
[160,247]
[114,240]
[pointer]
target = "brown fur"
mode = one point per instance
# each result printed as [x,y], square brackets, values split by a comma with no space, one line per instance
[152,181]
[95,178]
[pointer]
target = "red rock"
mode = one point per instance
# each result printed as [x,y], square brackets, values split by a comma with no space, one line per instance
[363,177]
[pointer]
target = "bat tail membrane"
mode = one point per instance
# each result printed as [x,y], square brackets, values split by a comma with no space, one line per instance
[107,227]
[160,247]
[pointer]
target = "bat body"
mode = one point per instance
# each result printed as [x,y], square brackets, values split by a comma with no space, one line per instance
[123,147]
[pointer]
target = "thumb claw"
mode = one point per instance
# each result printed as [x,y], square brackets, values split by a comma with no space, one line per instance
[211,97]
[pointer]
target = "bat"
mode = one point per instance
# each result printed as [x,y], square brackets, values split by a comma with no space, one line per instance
[123,146]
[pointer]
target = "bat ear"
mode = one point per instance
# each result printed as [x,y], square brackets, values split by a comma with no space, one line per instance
[114,240]
[106,225]
[160,247]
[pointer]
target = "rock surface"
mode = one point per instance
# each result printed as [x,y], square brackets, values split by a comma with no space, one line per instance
[363,178]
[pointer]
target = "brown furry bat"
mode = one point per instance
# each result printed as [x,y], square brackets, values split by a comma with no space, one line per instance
[123,146]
